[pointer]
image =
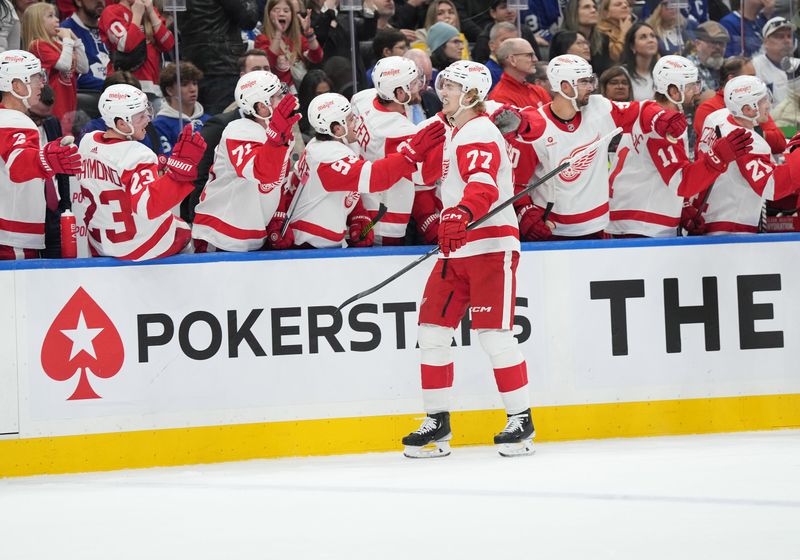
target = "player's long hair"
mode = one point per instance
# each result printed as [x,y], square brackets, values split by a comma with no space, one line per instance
[293,31]
[33,25]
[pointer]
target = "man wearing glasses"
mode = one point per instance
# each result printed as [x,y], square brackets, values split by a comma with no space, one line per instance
[518,60]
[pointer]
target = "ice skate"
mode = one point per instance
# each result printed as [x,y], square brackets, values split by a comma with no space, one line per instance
[432,439]
[516,439]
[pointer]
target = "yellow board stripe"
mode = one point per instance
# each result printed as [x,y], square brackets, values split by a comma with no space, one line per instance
[184,446]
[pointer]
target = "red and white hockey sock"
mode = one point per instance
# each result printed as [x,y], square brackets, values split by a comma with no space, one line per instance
[512,382]
[436,368]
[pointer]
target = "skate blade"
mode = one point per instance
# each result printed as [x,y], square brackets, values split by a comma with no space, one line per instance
[519,449]
[430,451]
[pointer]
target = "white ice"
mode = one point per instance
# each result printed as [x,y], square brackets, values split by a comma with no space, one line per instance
[725,496]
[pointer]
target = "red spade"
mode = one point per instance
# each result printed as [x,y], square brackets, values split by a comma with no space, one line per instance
[82,337]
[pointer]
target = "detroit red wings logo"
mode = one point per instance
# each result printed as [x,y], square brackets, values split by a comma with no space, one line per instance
[580,164]
[351,199]
[82,338]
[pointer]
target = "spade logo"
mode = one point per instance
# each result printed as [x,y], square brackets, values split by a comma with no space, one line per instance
[82,338]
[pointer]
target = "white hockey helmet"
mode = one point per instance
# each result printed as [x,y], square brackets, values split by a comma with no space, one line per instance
[19,65]
[569,68]
[255,87]
[327,109]
[672,70]
[123,101]
[470,75]
[394,72]
[745,91]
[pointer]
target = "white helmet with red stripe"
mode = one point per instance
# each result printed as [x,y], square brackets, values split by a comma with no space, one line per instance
[470,75]
[572,69]
[672,70]
[745,91]
[328,109]
[123,101]
[394,72]
[256,87]
[22,66]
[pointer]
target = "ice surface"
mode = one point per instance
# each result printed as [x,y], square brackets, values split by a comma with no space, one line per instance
[708,497]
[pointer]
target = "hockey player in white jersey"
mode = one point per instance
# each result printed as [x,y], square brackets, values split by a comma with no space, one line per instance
[333,177]
[382,128]
[244,204]
[24,162]
[476,269]
[736,199]
[129,207]
[653,174]
[570,126]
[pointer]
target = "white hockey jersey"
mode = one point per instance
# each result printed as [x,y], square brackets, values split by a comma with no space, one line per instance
[118,182]
[580,193]
[650,179]
[22,202]
[476,164]
[381,132]
[738,195]
[243,190]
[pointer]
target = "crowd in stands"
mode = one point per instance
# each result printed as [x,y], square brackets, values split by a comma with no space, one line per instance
[87,46]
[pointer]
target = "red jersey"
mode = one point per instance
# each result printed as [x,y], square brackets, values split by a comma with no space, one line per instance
[281,64]
[520,94]
[64,83]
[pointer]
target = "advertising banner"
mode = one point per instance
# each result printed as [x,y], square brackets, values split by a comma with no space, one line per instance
[122,348]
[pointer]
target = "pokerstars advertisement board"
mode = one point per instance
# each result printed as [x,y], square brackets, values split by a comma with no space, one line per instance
[241,339]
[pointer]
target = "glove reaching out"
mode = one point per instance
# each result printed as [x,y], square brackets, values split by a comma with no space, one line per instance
[532,226]
[356,229]
[274,239]
[60,156]
[418,146]
[692,219]
[453,228]
[511,122]
[187,153]
[670,124]
[279,129]
[728,149]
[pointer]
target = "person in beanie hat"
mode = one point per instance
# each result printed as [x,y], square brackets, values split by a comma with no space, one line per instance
[445,44]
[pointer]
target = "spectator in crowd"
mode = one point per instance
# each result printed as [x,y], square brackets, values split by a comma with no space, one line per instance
[331,35]
[445,44]
[169,121]
[387,42]
[424,103]
[615,84]
[543,18]
[83,23]
[731,68]
[290,42]
[25,164]
[19,7]
[518,62]
[499,12]
[315,83]
[62,56]
[10,28]
[56,189]
[670,28]
[211,40]
[136,35]
[440,10]
[639,58]
[750,16]
[709,44]
[380,12]
[779,41]
[570,42]
[499,33]
[123,77]
[253,59]
[410,14]
[582,17]
[615,22]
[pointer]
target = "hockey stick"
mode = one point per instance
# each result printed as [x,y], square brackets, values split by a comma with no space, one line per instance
[293,203]
[479,221]
[378,217]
